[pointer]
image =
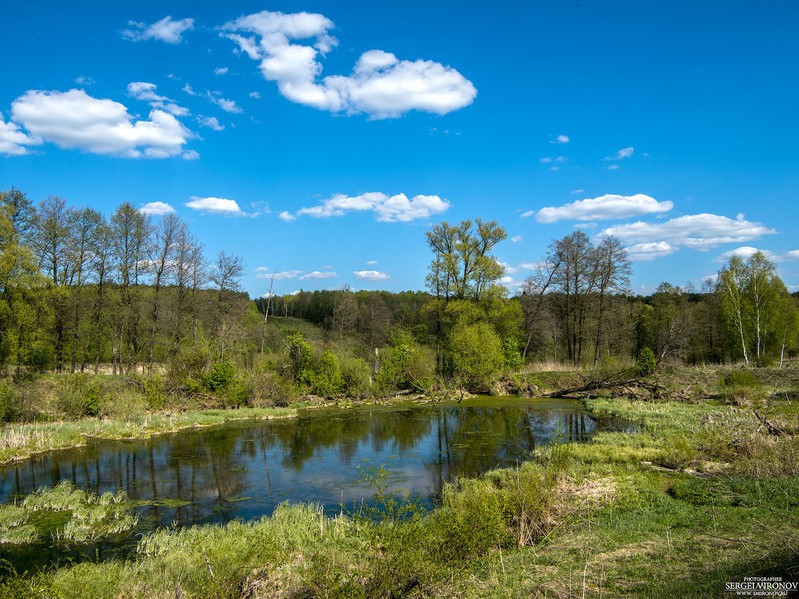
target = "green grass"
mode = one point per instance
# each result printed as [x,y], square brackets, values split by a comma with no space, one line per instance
[701,493]
[18,441]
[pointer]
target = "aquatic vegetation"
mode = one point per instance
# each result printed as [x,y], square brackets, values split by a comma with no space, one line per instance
[66,513]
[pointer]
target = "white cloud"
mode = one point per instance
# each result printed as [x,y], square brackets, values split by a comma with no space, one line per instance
[211,122]
[255,95]
[371,262]
[188,89]
[165,30]
[745,251]
[578,191]
[380,84]
[224,104]
[649,251]
[545,160]
[697,231]
[156,208]
[396,208]
[83,80]
[318,275]
[516,239]
[371,275]
[73,119]
[13,140]
[509,270]
[527,213]
[613,167]
[606,207]
[561,139]
[622,154]
[190,155]
[286,216]
[221,70]
[748,251]
[263,273]
[144,91]
[214,205]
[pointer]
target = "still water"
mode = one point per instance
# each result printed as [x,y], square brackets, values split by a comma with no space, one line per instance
[245,470]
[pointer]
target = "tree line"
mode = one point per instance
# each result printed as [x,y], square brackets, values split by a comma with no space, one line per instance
[79,290]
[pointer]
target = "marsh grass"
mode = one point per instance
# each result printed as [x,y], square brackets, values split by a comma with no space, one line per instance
[67,514]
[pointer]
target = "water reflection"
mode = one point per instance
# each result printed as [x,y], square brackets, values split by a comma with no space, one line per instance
[245,471]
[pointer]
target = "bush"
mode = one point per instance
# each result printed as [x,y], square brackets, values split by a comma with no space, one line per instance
[513,357]
[270,389]
[475,353]
[646,363]
[357,376]
[9,405]
[327,380]
[220,375]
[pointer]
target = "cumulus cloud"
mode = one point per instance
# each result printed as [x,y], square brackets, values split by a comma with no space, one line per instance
[214,205]
[396,208]
[697,231]
[318,275]
[621,154]
[380,85]
[561,139]
[74,119]
[144,91]
[649,251]
[156,208]
[14,141]
[517,239]
[165,30]
[747,251]
[221,71]
[255,95]
[211,122]
[606,207]
[286,216]
[371,275]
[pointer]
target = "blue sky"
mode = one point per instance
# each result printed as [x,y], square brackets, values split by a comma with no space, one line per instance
[319,140]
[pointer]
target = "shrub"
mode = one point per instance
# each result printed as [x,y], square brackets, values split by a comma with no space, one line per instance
[327,379]
[513,357]
[270,389]
[220,375]
[357,376]
[646,363]
[475,352]
[9,405]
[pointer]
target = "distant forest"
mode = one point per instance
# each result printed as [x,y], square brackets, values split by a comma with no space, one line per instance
[80,292]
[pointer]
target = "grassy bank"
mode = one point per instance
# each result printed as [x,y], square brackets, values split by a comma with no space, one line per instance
[700,493]
[20,441]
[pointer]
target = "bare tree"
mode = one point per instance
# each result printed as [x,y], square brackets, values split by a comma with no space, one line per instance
[162,250]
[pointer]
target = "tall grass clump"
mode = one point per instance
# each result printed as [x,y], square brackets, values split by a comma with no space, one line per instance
[88,517]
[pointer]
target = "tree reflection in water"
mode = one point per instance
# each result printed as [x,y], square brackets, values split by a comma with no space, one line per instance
[244,471]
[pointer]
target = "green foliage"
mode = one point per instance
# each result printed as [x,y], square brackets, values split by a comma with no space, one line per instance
[9,404]
[154,392]
[327,379]
[386,506]
[356,376]
[404,364]
[739,378]
[219,376]
[511,353]
[300,354]
[475,353]
[646,363]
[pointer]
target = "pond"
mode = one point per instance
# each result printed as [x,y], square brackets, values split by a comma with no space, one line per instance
[245,470]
